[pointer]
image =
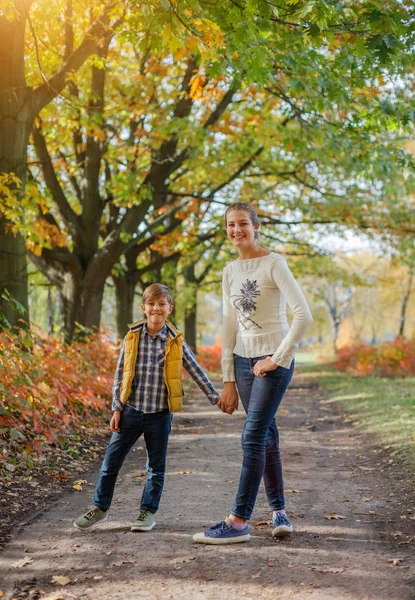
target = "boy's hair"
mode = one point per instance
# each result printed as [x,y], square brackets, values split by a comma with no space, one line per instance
[155,290]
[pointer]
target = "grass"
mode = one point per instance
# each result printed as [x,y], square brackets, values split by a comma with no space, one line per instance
[383,407]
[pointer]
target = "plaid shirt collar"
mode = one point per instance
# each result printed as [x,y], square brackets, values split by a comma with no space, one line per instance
[162,334]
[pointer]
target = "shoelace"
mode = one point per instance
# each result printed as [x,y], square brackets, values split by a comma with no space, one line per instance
[91,512]
[282,520]
[220,527]
[142,515]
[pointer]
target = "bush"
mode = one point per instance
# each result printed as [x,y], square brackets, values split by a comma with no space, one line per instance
[389,359]
[209,357]
[49,391]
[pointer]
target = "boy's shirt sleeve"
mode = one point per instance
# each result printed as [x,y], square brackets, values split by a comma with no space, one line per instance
[198,374]
[116,387]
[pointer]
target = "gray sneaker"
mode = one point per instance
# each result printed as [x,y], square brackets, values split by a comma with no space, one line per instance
[91,519]
[145,521]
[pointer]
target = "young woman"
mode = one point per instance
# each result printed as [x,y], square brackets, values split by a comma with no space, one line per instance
[258,350]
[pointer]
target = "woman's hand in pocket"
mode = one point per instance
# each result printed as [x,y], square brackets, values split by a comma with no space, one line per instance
[263,366]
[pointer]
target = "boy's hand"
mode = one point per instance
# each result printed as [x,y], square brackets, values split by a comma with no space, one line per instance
[228,401]
[115,421]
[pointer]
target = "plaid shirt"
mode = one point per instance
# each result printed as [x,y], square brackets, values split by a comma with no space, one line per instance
[149,391]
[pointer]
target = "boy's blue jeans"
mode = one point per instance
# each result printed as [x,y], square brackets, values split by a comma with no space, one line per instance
[156,428]
[261,397]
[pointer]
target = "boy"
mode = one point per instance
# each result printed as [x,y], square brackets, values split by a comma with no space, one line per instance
[147,389]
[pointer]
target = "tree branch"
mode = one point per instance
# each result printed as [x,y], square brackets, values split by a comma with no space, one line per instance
[222,106]
[100,29]
[51,180]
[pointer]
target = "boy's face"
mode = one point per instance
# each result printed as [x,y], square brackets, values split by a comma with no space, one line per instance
[157,310]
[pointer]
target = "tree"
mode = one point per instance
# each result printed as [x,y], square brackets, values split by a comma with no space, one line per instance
[234,119]
[20,103]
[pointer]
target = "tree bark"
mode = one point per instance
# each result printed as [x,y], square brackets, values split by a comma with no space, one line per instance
[190,320]
[15,126]
[190,326]
[19,105]
[50,312]
[405,301]
[124,300]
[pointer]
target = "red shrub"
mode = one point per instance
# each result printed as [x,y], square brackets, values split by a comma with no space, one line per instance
[49,391]
[209,357]
[389,359]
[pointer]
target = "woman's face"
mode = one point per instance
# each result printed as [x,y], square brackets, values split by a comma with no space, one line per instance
[240,229]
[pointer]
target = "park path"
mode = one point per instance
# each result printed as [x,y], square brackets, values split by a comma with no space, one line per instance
[330,469]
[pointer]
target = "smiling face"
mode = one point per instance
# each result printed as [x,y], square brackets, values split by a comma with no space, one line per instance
[240,229]
[157,309]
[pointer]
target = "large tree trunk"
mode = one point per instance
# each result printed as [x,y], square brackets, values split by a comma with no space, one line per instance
[15,125]
[190,327]
[190,322]
[405,301]
[50,312]
[124,300]
[70,295]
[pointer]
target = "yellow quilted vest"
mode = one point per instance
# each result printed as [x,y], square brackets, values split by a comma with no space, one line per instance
[173,364]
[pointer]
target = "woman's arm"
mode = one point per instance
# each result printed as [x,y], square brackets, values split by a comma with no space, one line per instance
[229,330]
[302,318]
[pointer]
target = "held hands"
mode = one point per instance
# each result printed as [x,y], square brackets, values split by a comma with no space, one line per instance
[228,401]
[262,366]
[115,421]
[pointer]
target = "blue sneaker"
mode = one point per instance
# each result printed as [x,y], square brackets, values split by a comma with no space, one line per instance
[222,533]
[281,525]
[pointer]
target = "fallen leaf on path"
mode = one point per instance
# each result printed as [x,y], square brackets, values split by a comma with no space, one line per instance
[195,431]
[54,596]
[1,594]
[333,516]
[367,468]
[368,499]
[295,453]
[183,472]
[142,474]
[403,516]
[181,559]
[292,491]
[261,523]
[22,562]
[60,580]
[328,569]
[78,484]
[395,562]
[256,576]
[120,563]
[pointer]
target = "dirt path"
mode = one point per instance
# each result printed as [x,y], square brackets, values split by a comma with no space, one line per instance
[329,469]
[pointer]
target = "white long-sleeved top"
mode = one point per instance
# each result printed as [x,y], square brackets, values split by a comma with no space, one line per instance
[255,294]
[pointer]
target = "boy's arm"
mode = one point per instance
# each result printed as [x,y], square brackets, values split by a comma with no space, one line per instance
[116,387]
[198,374]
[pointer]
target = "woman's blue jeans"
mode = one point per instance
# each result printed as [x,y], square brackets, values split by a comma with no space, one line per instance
[156,428]
[261,397]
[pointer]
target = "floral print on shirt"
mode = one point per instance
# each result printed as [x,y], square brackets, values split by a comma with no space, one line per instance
[244,303]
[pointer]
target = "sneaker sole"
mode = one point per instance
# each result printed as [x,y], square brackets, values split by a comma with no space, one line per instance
[92,526]
[282,531]
[138,528]
[202,539]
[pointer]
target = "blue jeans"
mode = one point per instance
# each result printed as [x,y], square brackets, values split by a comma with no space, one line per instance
[261,397]
[156,428]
